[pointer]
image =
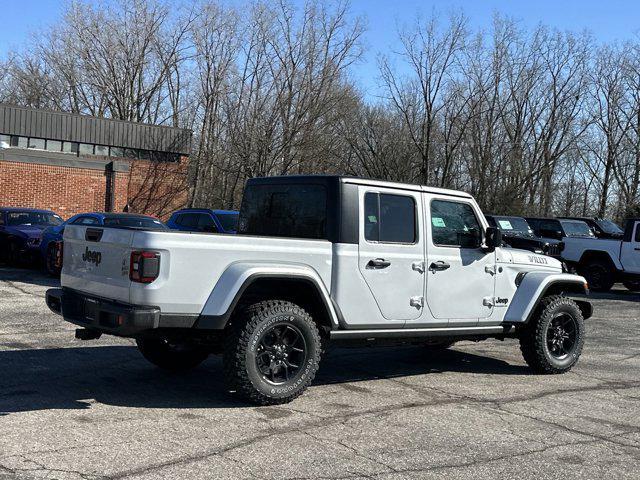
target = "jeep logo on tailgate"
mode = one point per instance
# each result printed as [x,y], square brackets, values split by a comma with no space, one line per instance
[92,257]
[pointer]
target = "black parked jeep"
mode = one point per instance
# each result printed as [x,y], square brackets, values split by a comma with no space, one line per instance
[517,233]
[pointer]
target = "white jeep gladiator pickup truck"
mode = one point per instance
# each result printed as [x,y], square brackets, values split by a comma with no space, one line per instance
[319,259]
[603,261]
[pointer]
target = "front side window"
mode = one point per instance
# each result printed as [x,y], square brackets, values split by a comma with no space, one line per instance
[454,224]
[637,231]
[295,211]
[389,218]
[577,229]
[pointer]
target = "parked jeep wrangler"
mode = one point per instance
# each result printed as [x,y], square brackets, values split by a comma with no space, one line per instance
[319,259]
[602,261]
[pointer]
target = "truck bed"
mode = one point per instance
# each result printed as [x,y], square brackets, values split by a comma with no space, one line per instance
[190,263]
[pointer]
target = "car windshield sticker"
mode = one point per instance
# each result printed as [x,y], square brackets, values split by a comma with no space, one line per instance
[372,219]
[505,224]
[437,222]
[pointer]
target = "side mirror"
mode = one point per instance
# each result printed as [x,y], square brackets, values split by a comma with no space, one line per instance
[492,238]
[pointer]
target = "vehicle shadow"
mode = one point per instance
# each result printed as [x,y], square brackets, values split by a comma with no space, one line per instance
[32,276]
[73,378]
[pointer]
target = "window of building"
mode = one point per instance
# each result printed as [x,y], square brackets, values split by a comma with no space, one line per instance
[86,149]
[130,153]
[116,152]
[389,218]
[37,143]
[454,224]
[70,147]
[54,145]
[5,141]
[19,142]
[144,154]
[297,211]
[102,150]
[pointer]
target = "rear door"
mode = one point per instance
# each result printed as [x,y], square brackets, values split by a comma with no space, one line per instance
[96,261]
[630,250]
[391,250]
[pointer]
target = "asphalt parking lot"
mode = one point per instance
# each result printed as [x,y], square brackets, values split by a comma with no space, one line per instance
[91,410]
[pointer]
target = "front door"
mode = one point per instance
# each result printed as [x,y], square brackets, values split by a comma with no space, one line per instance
[460,275]
[630,252]
[391,250]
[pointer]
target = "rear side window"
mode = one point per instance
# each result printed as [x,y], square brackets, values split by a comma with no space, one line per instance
[389,218]
[454,224]
[297,211]
[189,220]
[229,221]
[206,223]
[637,230]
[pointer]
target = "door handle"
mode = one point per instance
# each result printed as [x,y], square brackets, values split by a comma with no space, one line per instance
[438,266]
[378,263]
[636,248]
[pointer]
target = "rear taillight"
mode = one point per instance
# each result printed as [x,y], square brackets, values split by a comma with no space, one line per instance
[144,266]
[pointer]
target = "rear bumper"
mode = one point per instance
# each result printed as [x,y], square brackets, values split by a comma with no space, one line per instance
[110,317]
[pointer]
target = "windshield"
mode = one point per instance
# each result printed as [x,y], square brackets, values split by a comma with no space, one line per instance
[33,218]
[229,221]
[515,225]
[135,222]
[577,229]
[608,226]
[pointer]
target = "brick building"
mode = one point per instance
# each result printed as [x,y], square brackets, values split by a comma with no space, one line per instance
[75,163]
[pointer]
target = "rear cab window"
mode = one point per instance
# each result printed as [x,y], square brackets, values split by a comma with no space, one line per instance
[288,210]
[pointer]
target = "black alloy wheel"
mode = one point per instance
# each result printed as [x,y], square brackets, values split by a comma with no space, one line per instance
[281,353]
[562,335]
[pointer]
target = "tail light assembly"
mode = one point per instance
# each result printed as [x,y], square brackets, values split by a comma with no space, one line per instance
[144,266]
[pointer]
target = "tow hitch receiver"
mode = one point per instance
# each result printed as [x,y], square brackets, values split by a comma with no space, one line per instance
[87,334]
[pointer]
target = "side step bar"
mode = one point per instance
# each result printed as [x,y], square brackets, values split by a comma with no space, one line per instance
[419,332]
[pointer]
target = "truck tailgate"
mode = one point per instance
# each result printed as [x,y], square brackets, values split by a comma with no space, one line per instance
[96,261]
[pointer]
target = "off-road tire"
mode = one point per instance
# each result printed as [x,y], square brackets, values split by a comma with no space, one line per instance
[598,275]
[632,285]
[171,355]
[50,261]
[13,254]
[243,339]
[534,340]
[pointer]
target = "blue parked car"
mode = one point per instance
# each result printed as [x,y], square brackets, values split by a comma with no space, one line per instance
[20,231]
[51,243]
[204,220]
